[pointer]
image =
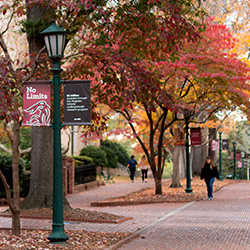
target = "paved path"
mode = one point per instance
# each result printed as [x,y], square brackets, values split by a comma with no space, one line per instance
[223,223]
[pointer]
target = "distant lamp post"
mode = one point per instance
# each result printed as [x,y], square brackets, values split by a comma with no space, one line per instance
[234,147]
[220,164]
[186,117]
[54,37]
[242,164]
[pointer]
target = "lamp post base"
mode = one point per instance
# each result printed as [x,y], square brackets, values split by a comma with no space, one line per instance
[220,178]
[58,234]
[189,190]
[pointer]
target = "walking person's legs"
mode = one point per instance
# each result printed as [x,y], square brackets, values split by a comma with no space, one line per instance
[132,171]
[142,174]
[146,175]
[209,183]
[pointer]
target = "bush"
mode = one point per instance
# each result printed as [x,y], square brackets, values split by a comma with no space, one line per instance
[5,166]
[97,154]
[112,158]
[119,151]
[83,160]
[25,142]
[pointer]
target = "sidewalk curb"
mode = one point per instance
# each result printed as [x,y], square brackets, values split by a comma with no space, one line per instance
[129,203]
[124,241]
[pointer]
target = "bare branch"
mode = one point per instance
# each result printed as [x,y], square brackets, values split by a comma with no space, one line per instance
[34,65]
[7,188]
[4,149]
[5,50]
[24,152]
[11,18]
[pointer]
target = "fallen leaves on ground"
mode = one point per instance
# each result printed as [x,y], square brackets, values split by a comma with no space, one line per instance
[70,215]
[173,194]
[35,239]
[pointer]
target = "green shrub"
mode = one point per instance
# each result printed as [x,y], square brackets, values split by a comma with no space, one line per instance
[112,158]
[5,166]
[119,151]
[83,160]
[24,143]
[97,154]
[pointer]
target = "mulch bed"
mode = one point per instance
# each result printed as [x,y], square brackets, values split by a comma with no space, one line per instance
[171,195]
[35,239]
[78,215]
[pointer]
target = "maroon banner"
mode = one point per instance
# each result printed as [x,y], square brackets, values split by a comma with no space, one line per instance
[36,103]
[231,156]
[195,136]
[238,156]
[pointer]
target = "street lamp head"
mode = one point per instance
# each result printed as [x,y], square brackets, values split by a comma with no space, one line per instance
[242,154]
[234,143]
[54,38]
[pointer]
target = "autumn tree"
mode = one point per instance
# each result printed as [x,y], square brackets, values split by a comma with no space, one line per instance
[10,92]
[142,60]
[121,54]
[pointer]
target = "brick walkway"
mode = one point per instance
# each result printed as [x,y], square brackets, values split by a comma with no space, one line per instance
[223,223]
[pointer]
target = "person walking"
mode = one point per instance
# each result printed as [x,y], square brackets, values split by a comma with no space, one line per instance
[208,172]
[132,167]
[144,166]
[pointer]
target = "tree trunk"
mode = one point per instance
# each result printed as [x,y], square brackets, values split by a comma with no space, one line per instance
[41,180]
[16,225]
[158,185]
[35,11]
[179,166]
[15,206]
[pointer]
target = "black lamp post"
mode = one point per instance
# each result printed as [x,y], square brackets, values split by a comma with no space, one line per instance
[186,118]
[242,165]
[234,147]
[220,149]
[54,38]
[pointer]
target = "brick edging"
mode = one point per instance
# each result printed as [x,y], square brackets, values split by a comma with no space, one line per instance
[130,203]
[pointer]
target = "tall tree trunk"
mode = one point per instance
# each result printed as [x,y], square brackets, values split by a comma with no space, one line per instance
[179,166]
[41,181]
[15,206]
[158,185]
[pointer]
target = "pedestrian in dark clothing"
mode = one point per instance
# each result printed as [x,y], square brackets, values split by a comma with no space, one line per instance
[132,167]
[208,172]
